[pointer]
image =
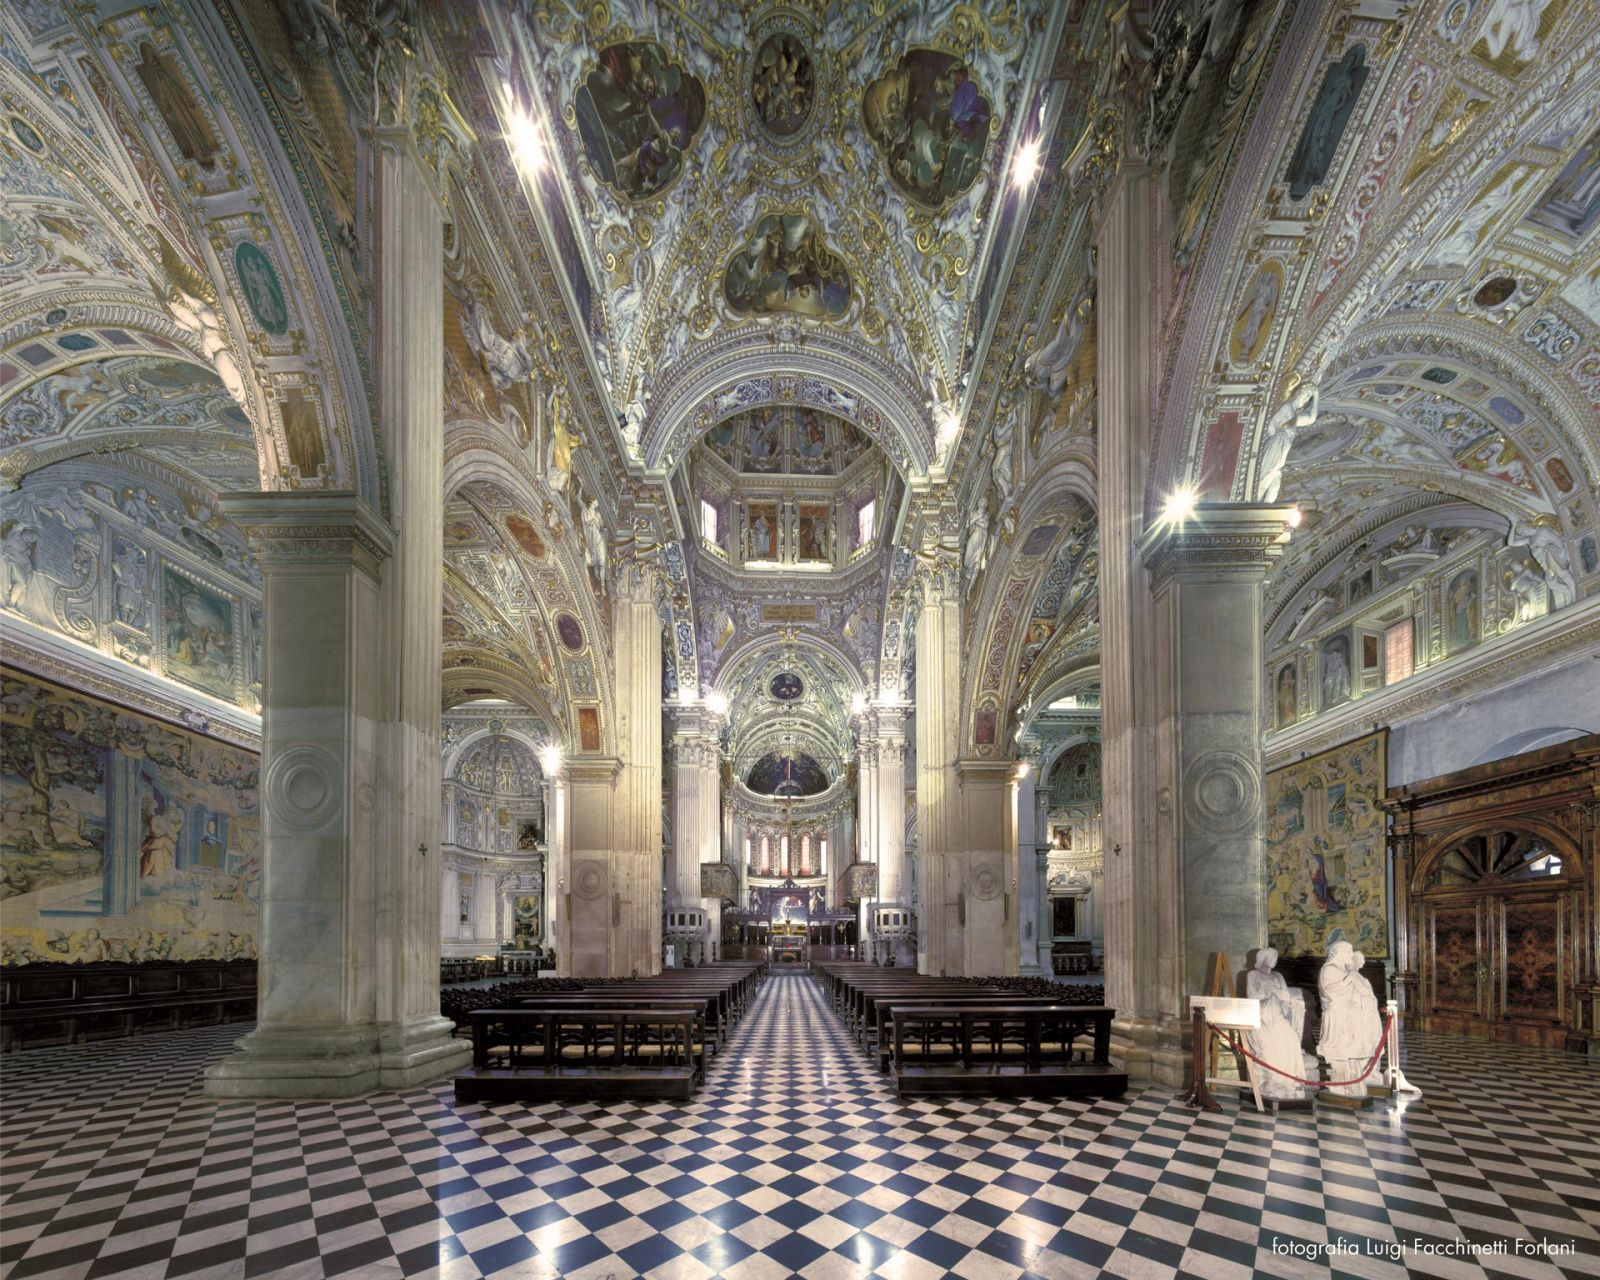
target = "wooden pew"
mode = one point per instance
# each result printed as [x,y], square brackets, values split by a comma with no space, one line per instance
[535,1054]
[1009,1049]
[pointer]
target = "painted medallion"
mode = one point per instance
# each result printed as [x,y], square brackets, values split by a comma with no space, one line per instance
[570,632]
[259,280]
[786,266]
[637,114]
[781,84]
[931,120]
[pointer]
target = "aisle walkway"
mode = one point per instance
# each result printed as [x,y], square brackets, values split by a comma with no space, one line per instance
[795,1160]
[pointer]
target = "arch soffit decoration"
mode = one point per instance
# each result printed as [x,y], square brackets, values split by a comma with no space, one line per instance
[827,375]
[124,179]
[1334,327]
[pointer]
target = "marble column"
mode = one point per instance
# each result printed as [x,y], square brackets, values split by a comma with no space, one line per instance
[1041,846]
[637,630]
[981,870]
[697,815]
[883,822]
[1032,907]
[1207,579]
[350,919]
[595,939]
[938,642]
[557,859]
[1138,933]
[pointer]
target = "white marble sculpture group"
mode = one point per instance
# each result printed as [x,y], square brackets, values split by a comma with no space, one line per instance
[1351,1025]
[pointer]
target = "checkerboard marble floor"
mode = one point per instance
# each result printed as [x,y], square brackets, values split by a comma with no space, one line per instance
[795,1160]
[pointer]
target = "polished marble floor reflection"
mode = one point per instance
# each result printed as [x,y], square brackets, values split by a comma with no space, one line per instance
[794,1160]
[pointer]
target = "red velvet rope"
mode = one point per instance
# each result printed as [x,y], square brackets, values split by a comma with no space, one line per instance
[1388,1021]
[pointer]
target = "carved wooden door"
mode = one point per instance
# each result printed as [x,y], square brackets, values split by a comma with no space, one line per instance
[1500,936]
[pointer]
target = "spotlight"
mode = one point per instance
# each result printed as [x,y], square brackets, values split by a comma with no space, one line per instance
[717,702]
[1025,165]
[1296,517]
[858,704]
[1181,505]
[527,144]
[949,426]
[550,758]
[1023,770]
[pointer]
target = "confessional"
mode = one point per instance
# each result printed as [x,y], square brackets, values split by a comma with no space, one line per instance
[1495,887]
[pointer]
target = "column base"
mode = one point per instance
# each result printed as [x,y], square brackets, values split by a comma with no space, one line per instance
[287,1061]
[1151,1051]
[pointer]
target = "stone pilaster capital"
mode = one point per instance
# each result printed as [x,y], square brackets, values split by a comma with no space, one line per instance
[1225,541]
[292,529]
[604,770]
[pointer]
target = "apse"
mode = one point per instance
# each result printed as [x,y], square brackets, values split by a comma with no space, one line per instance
[786,776]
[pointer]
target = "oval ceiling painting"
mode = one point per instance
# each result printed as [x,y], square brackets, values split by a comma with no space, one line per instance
[786,266]
[637,115]
[931,121]
[570,632]
[786,686]
[779,775]
[781,84]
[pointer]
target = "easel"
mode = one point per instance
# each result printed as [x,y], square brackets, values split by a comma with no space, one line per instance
[1224,1013]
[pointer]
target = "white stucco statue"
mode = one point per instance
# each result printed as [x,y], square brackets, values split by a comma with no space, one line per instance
[1527,585]
[1549,549]
[594,537]
[1351,1025]
[1293,416]
[201,319]
[633,423]
[1283,1019]
[976,550]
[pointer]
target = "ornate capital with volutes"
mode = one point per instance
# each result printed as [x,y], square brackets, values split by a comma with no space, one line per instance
[1218,541]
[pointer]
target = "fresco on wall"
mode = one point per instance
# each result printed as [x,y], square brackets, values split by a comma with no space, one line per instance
[778,775]
[931,120]
[1075,776]
[786,266]
[123,838]
[190,129]
[1325,850]
[1319,140]
[763,531]
[813,531]
[198,634]
[637,114]
[1335,669]
[1288,696]
[1461,610]
[588,729]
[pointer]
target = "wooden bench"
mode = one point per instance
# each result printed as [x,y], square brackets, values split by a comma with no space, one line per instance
[536,1054]
[883,1045]
[52,1004]
[1005,1049]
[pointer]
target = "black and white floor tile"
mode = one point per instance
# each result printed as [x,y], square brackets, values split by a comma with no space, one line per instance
[795,1160]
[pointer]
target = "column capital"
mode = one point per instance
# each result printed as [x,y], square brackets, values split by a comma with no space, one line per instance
[1225,540]
[592,769]
[303,528]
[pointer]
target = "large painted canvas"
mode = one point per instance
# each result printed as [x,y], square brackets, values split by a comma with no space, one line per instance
[814,532]
[197,633]
[763,531]
[1326,851]
[637,114]
[123,838]
[931,120]
[786,266]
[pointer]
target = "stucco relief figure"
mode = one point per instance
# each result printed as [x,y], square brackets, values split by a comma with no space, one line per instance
[633,424]
[1549,549]
[1351,1025]
[1293,416]
[1512,26]
[507,361]
[1050,366]
[1283,1019]
[1458,247]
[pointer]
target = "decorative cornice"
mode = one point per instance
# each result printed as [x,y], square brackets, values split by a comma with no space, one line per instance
[1223,540]
[301,528]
